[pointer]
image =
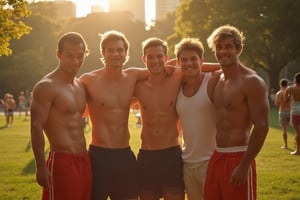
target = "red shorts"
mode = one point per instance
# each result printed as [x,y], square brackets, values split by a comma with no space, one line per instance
[71,176]
[219,172]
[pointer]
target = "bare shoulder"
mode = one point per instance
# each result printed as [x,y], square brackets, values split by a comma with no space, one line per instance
[137,73]
[90,75]
[252,82]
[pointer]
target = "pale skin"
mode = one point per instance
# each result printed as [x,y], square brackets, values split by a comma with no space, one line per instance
[242,107]
[293,92]
[109,93]
[56,110]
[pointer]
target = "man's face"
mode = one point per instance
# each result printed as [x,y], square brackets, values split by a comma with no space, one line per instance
[226,52]
[114,53]
[71,57]
[190,63]
[155,59]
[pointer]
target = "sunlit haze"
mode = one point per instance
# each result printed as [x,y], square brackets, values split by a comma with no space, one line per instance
[83,7]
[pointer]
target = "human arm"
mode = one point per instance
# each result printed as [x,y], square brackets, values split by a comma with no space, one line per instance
[40,106]
[276,101]
[258,108]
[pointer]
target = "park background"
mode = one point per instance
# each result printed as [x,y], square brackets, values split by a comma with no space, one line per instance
[272,29]
[278,172]
[272,48]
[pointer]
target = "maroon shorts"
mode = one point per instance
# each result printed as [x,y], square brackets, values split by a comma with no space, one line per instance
[295,120]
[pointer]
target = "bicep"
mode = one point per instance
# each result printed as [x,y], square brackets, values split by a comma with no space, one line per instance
[40,106]
[258,103]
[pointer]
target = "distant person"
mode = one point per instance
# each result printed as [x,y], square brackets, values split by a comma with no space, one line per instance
[10,106]
[22,104]
[56,110]
[293,94]
[109,94]
[197,115]
[283,111]
[242,110]
[159,158]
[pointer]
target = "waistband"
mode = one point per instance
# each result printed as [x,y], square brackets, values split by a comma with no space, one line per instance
[62,155]
[231,149]
[97,148]
[174,148]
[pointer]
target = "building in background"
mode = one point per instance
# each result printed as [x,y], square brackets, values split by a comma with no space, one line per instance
[136,7]
[165,6]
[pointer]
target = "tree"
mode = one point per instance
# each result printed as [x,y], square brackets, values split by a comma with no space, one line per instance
[11,13]
[272,29]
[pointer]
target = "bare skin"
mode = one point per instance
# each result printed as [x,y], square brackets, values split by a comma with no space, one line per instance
[56,109]
[109,93]
[157,96]
[293,93]
[284,106]
[242,107]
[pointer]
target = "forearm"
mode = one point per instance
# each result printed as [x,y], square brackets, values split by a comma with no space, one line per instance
[38,145]
[256,141]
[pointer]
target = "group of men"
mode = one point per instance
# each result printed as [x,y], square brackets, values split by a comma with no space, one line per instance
[223,117]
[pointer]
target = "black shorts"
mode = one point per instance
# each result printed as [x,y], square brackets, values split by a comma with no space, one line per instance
[160,171]
[114,173]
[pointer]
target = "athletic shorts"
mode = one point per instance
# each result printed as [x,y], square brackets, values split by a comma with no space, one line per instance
[71,176]
[10,112]
[194,175]
[284,117]
[114,173]
[295,120]
[219,172]
[160,171]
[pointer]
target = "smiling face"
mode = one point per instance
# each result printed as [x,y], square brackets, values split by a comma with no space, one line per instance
[155,59]
[71,57]
[190,62]
[227,52]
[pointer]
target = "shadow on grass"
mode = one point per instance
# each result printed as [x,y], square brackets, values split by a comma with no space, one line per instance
[30,167]
[3,127]
[28,147]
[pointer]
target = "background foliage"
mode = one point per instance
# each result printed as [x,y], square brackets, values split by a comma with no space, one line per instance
[272,30]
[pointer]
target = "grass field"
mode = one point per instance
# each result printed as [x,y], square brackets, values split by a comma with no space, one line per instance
[278,171]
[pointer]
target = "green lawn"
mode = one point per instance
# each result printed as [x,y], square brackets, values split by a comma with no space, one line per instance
[278,171]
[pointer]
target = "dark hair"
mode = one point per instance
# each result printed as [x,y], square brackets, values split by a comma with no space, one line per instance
[73,38]
[283,82]
[297,77]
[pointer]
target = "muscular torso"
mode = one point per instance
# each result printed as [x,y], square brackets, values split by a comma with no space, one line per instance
[158,108]
[109,101]
[64,126]
[233,122]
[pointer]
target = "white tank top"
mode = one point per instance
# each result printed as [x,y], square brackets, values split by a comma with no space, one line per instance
[197,116]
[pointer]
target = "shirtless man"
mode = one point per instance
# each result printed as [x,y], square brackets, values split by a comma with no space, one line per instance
[109,93]
[22,104]
[197,115]
[242,109]
[293,94]
[56,110]
[284,110]
[159,159]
